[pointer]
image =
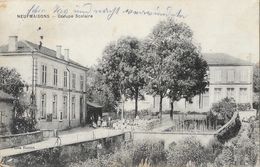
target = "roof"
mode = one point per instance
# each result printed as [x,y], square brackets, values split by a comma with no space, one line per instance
[27,46]
[93,104]
[5,96]
[224,59]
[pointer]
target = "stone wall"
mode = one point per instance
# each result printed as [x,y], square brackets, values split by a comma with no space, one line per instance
[15,140]
[63,155]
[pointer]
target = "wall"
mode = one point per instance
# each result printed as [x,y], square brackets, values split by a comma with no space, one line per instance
[222,83]
[61,156]
[22,62]
[6,107]
[50,89]
[20,139]
[239,81]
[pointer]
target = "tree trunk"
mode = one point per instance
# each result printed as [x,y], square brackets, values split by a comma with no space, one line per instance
[160,107]
[136,101]
[171,112]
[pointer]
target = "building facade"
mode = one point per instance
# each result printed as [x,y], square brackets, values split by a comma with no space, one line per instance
[56,83]
[228,77]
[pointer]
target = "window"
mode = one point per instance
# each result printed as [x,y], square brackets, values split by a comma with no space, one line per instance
[230,93]
[73,81]
[61,116]
[2,118]
[205,98]
[81,82]
[217,94]
[73,108]
[218,76]
[231,75]
[65,78]
[44,74]
[243,76]
[55,76]
[65,106]
[54,107]
[243,95]
[43,106]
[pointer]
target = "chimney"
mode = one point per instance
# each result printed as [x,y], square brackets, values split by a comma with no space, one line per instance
[58,51]
[66,54]
[12,45]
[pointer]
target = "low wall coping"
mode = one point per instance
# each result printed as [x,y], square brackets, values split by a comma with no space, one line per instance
[181,133]
[20,134]
[67,144]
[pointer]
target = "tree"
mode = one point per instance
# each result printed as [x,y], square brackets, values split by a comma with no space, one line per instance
[174,65]
[121,65]
[256,87]
[98,91]
[11,82]
[256,78]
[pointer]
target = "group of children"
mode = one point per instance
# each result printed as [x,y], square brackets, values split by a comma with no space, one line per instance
[101,123]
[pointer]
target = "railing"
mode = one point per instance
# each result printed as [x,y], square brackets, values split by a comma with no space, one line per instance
[230,129]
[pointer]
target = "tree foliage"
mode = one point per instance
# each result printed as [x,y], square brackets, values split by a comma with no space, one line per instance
[121,65]
[173,63]
[11,81]
[224,109]
[23,121]
[99,92]
[256,87]
[256,78]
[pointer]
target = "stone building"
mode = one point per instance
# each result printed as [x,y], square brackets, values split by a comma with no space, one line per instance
[56,83]
[228,77]
[6,112]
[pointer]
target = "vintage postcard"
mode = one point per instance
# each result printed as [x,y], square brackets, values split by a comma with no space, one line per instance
[129,83]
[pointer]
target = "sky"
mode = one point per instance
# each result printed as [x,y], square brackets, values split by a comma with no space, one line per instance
[226,26]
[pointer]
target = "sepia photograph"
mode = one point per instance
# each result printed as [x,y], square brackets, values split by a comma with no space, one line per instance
[129,83]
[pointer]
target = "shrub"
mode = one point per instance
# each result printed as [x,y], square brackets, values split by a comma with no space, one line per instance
[226,158]
[101,161]
[151,151]
[243,106]
[22,123]
[214,147]
[122,157]
[224,109]
[141,113]
[240,150]
[168,112]
[230,131]
[187,150]
[196,113]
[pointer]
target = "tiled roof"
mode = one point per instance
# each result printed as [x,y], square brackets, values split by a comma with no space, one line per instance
[27,46]
[5,96]
[211,58]
[224,59]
